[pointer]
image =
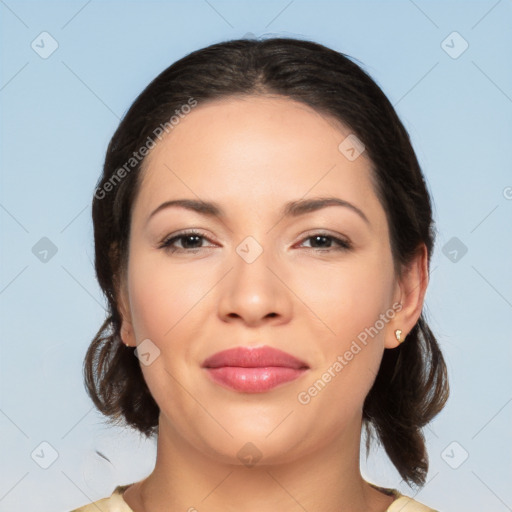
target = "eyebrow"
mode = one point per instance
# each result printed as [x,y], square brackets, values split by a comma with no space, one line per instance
[290,209]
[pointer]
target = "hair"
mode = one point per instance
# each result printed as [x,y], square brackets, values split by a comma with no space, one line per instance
[411,386]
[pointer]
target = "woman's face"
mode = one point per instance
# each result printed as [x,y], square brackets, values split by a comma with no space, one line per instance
[258,276]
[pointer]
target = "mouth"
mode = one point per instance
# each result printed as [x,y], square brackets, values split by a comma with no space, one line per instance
[253,370]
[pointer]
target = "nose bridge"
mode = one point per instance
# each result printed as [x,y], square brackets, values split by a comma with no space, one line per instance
[252,291]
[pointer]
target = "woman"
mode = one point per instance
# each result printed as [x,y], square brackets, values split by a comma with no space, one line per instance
[263,234]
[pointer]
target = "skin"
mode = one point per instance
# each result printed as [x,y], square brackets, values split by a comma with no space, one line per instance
[251,155]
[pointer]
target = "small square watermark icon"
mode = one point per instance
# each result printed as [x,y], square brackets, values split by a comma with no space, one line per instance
[351,147]
[147,352]
[454,45]
[249,455]
[249,249]
[44,45]
[44,249]
[44,455]
[454,249]
[454,455]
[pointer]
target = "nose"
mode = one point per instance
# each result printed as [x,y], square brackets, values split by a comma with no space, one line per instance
[254,293]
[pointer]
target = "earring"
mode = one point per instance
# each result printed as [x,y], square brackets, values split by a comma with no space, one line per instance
[122,340]
[398,335]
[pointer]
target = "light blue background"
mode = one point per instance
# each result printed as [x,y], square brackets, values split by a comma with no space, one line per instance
[58,115]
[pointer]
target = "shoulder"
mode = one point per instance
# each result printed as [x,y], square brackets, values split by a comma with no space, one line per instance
[402,503]
[406,504]
[113,503]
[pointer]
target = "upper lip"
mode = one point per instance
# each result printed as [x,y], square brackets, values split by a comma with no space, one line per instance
[253,357]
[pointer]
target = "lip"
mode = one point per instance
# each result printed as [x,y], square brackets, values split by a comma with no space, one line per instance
[253,370]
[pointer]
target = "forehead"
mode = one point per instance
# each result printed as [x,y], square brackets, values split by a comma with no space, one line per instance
[255,150]
[252,122]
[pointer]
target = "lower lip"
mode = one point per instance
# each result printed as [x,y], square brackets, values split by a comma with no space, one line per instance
[253,380]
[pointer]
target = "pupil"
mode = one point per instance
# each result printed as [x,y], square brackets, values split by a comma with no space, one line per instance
[190,237]
[320,237]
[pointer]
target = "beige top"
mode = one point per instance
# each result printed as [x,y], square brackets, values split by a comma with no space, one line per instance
[116,503]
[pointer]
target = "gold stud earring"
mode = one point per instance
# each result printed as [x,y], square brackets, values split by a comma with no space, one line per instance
[398,335]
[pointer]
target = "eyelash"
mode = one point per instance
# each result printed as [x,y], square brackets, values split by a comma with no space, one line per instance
[343,245]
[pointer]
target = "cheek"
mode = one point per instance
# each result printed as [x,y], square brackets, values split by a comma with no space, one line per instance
[161,300]
[347,298]
[350,350]
[161,296]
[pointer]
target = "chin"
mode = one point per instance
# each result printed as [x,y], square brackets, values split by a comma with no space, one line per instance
[277,444]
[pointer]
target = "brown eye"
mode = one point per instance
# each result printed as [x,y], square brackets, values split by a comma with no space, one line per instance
[190,241]
[324,241]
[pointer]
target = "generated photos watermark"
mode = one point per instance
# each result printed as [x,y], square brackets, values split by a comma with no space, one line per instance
[304,397]
[138,156]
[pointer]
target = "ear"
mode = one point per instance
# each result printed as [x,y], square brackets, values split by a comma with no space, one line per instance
[410,292]
[123,302]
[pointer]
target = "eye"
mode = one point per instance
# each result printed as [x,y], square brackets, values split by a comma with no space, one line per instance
[191,241]
[323,242]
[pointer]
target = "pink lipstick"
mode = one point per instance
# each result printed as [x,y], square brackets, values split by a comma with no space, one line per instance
[253,370]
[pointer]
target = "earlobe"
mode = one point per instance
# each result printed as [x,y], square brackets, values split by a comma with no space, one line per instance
[126,334]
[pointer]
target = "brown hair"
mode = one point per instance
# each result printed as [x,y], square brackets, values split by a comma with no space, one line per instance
[412,384]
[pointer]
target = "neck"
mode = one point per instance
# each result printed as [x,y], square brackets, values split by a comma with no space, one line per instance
[324,478]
